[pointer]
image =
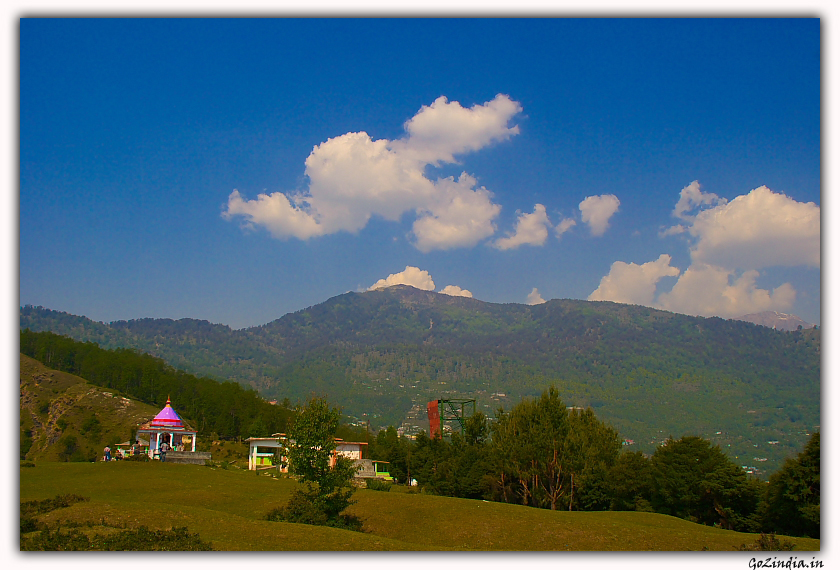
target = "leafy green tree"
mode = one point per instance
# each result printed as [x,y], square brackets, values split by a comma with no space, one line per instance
[793,495]
[550,457]
[326,477]
[695,480]
[631,483]
[389,446]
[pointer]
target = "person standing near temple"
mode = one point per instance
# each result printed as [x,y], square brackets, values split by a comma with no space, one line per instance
[164,448]
[107,453]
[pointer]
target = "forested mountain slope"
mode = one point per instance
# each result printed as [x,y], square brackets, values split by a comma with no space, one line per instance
[383,354]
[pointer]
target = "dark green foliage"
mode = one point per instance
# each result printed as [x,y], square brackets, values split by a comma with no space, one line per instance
[377,485]
[25,442]
[553,457]
[793,495]
[31,509]
[303,508]
[631,482]
[768,542]
[326,478]
[388,446]
[694,480]
[140,539]
[70,450]
[454,467]
[92,428]
[142,457]
[224,408]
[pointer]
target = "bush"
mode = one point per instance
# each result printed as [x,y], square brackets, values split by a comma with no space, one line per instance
[768,542]
[140,539]
[303,508]
[137,457]
[378,485]
[92,428]
[30,509]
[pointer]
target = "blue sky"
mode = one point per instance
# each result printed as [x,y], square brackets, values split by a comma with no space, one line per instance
[238,170]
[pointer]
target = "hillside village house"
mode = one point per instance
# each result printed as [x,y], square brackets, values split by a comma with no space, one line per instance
[266,452]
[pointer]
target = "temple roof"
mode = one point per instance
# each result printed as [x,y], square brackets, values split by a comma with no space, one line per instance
[167,418]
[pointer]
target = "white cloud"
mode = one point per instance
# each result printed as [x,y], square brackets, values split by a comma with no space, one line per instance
[455,291]
[459,216]
[673,230]
[634,284]
[597,211]
[353,177]
[440,131]
[707,291]
[565,225]
[729,243]
[275,213]
[531,229]
[757,230]
[534,297]
[703,290]
[692,197]
[413,276]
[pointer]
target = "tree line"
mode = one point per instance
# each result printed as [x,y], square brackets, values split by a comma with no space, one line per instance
[224,408]
[543,454]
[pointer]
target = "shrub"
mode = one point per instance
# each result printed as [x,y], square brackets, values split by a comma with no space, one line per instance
[377,485]
[303,508]
[768,542]
[140,539]
[138,457]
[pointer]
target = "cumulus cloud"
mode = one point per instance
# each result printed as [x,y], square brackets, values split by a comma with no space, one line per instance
[729,241]
[707,291]
[534,297]
[597,211]
[413,276]
[275,213]
[531,229]
[353,177]
[459,216]
[757,230]
[455,291]
[634,284]
[692,197]
[565,225]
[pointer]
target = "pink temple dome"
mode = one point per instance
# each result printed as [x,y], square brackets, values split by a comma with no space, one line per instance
[167,418]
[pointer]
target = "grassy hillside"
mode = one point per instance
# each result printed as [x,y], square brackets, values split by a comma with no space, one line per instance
[383,354]
[57,409]
[226,507]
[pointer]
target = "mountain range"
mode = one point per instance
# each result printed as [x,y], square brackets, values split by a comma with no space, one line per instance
[383,354]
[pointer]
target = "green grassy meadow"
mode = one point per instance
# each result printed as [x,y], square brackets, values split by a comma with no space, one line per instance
[227,507]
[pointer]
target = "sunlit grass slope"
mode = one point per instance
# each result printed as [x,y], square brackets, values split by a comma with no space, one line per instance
[226,507]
